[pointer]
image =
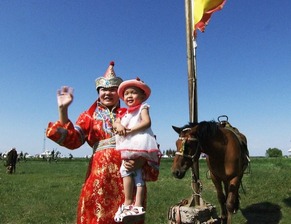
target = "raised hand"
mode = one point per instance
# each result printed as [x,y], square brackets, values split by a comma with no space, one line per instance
[65,96]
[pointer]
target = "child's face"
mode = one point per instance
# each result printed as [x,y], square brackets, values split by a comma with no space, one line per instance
[133,96]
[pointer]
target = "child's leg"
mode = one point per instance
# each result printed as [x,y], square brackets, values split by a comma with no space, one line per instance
[128,190]
[128,184]
[139,196]
[140,188]
[131,213]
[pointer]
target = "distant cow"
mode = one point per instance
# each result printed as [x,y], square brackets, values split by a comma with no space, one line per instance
[11,160]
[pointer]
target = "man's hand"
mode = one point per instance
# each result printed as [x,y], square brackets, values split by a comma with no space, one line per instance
[131,165]
[65,97]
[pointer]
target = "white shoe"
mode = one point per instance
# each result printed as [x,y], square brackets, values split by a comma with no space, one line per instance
[133,215]
[121,209]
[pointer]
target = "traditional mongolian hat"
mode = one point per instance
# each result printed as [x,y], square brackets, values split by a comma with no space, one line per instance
[134,83]
[109,78]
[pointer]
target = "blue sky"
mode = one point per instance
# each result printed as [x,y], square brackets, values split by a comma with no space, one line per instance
[243,66]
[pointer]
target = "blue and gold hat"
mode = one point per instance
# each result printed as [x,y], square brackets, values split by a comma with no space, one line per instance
[109,79]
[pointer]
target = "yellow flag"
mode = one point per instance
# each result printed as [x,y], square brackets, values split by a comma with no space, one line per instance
[202,11]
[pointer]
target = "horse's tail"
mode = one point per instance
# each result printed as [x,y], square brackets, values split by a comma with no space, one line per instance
[242,187]
[246,165]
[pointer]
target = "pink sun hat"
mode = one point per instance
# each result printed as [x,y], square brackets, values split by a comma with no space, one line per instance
[134,83]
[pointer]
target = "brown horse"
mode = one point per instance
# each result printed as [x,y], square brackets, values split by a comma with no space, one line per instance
[227,158]
[11,160]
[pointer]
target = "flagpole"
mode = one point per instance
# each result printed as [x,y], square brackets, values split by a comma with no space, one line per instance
[191,63]
[192,92]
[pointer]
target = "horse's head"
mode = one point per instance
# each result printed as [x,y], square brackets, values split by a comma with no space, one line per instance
[187,150]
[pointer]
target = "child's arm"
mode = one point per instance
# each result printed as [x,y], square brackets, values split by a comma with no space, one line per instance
[144,123]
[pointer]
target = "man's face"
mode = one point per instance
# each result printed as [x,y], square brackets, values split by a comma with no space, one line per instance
[108,96]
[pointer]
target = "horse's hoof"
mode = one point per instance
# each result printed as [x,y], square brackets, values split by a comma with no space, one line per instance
[223,220]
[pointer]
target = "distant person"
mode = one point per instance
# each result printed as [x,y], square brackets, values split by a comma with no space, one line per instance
[102,191]
[53,154]
[134,139]
[25,156]
[20,157]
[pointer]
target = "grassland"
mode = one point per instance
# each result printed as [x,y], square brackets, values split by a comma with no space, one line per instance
[42,192]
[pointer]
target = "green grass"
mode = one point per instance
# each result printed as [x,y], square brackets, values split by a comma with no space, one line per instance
[40,192]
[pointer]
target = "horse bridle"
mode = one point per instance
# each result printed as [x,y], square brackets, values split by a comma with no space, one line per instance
[181,151]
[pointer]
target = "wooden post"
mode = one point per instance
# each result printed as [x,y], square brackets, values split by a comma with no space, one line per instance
[192,88]
[191,63]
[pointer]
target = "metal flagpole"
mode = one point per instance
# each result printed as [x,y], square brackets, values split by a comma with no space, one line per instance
[192,90]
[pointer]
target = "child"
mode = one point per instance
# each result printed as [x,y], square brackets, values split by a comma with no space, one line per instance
[134,138]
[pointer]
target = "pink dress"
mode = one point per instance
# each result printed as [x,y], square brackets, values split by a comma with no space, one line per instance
[141,144]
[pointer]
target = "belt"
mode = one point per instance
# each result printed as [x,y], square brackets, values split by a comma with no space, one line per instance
[104,144]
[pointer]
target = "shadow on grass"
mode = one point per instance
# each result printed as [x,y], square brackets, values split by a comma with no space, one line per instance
[287,201]
[262,213]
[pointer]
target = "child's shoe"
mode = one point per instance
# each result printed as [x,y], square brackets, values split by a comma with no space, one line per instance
[135,214]
[121,209]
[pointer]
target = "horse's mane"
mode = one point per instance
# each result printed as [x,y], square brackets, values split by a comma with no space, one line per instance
[207,129]
[189,125]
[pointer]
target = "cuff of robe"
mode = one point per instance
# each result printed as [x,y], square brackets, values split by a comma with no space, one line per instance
[58,132]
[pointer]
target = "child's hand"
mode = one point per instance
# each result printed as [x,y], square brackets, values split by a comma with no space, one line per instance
[120,130]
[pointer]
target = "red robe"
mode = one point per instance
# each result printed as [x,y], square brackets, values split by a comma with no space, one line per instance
[102,191]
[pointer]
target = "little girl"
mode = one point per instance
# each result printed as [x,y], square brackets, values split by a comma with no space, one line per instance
[134,138]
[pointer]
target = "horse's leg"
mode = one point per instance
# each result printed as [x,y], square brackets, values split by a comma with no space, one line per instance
[9,169]
[220,196]
[226,191]
[232,201]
